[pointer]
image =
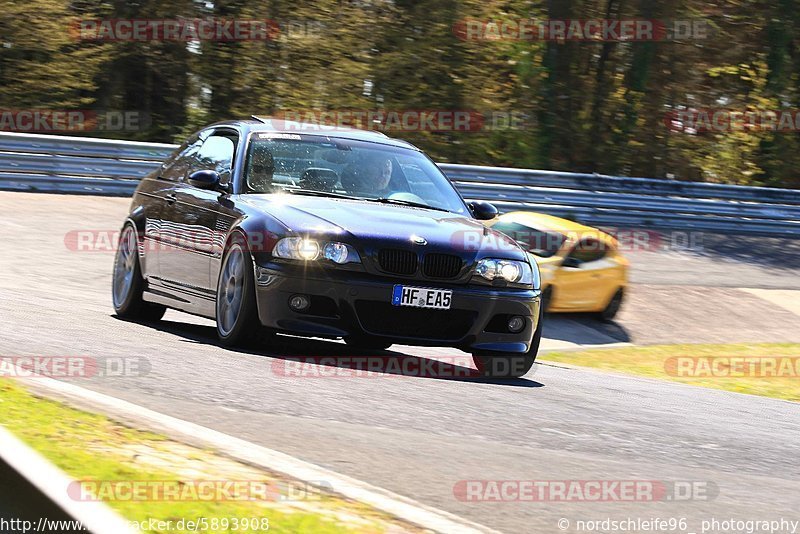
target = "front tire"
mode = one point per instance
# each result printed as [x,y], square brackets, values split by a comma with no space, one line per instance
[612,309]
[505,365]
[236,310]
[127,284]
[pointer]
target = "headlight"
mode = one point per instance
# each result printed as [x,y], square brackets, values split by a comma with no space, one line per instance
[518,272]
[296,248]
[304,249]
[340,253]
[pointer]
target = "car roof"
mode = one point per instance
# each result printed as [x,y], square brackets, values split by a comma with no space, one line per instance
[277,125]
[550,223]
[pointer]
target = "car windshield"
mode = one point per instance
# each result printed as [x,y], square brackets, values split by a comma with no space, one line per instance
[537,242]
[343,167]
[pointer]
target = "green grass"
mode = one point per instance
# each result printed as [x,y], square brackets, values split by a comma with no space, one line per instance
[93,448]
[658,361]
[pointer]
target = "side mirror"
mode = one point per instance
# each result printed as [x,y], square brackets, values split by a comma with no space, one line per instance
[207,179]
[481,210]
[571,263]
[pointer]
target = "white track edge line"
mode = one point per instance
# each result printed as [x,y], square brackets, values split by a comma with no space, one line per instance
[397,505]
[53,483]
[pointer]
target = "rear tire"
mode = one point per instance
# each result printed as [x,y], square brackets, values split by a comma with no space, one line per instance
[505,365]
[236,310]
[127,284]
[612,309]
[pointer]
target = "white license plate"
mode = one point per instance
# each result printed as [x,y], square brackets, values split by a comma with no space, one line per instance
[421,297]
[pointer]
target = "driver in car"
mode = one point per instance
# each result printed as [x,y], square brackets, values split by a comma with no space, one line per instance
[372,179]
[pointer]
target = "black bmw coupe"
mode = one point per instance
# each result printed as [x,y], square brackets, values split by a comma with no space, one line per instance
[332,233]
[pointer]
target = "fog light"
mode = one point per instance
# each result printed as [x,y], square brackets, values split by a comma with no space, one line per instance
[299,302]
[516,324]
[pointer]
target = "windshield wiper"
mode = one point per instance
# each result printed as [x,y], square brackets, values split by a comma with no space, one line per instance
[317,193]
[383,200]
[387,200]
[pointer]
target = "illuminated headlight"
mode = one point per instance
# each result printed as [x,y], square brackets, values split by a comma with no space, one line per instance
[510,271]
[308,250]
[518,272]
[304,249]
[296,248]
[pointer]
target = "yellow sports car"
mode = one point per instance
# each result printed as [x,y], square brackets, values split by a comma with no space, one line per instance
[582,269]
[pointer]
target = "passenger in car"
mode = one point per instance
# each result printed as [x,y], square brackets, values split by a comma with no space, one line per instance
[262,168]
[383,177]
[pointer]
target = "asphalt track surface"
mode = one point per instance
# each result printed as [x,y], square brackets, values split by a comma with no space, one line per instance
[420,437]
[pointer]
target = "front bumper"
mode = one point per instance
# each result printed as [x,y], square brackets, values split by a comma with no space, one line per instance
[349,303]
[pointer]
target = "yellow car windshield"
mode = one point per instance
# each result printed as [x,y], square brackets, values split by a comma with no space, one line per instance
[537,242]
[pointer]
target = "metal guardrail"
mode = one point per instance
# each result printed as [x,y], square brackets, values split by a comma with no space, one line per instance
[107,167]
[84,146]
[620,184]
[75,165]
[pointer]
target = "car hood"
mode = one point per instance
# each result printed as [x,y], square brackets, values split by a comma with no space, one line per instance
[363,221]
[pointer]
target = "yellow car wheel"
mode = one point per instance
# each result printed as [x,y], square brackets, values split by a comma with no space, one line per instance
[613,306]
[547,298]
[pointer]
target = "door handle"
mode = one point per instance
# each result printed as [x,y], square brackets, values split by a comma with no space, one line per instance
[171,198]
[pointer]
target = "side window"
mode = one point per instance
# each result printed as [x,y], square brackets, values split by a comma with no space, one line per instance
[216,154]
[176,168]
[589,250]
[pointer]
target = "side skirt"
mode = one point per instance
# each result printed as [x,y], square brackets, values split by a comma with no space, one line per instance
[189,302]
